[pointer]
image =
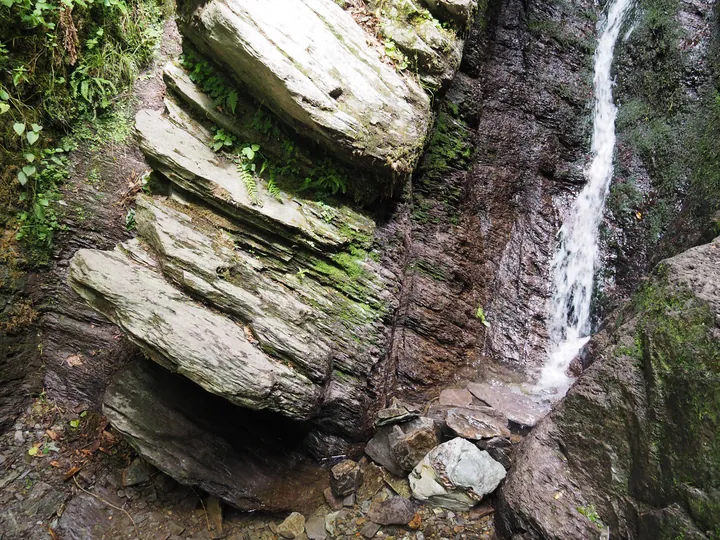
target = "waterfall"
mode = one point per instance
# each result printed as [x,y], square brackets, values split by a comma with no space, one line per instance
[574,262]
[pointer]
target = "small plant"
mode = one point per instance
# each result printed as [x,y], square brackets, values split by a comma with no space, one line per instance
[590,512]
[396,55]
[130,224]
[222,140]
[273,189]
[247,170]
[480,314]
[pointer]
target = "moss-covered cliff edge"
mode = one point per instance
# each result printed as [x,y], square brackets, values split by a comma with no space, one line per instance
[635,445]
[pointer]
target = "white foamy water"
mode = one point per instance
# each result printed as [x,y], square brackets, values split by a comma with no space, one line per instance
[574,262]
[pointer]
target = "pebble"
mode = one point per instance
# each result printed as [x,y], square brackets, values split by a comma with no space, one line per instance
[370,529]
[19,436]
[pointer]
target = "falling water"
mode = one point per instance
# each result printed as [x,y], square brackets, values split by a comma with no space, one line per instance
[574,262]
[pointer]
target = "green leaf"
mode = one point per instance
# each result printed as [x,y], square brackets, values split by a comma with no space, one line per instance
[4,107]
[19,128]
[29,157]
[74,423]
[22,178]
[29,170]
[4,95]
[33,451]
[32,137]
[84,87]
[36,127]
[255,147]
[232,99]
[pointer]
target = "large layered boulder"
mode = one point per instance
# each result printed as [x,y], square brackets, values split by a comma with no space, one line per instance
[309,61]
[251,460]
[634,448]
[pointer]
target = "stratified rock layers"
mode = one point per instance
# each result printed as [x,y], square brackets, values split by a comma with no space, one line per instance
[310,62]
[634,446]
[270,299]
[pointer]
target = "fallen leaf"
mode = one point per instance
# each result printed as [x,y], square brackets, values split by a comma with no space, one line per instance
[415,522]
[72,472]
[74,360]
[55,464]
[33,451]
[53,534]
[51,434]
[74,423]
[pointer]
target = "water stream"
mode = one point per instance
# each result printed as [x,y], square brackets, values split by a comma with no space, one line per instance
[573,265]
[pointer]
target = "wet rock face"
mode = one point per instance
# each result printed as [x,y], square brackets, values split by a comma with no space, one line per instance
[309,61]
[661,201]
[633,447]
[477,229]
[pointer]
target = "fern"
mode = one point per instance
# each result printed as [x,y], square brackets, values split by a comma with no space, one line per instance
[273,189]
[246,174]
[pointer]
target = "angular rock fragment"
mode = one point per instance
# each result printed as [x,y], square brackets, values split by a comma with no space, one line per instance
[345,478]
[518,408]
[456,475]
[393,511]
[309,61]
[187,337]
[399,447]
[410,442]
[460,12]
[455,397]
[246,458]
[292,527]
[396,413]
[475,425]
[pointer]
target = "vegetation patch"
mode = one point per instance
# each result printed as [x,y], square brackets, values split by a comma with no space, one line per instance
[280,161]
[675,136]
[65,68]
[450,149]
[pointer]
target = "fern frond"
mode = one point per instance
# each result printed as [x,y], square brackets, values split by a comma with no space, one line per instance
[273,189]
[249,180]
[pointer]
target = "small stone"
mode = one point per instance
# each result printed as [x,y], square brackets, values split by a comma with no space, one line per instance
[19,436]
[398,485]
[315,528]
[372,482]
[138,472]
[273,527]
[345,478]
[349,501]
[456,397]
[330,523]
[370,529]
[394,511]
[396,413]
[293,526]
[332,501]
[174,528]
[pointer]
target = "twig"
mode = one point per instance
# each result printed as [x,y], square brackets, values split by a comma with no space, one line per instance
[207,518]
[111,505]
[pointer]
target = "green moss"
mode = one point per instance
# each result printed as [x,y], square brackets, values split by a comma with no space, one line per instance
[681,358]
[675,135]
